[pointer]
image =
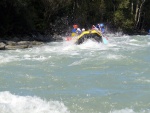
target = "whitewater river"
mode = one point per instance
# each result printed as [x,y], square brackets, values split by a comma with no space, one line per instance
[61,77]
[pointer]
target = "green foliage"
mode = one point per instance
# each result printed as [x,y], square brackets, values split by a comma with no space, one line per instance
[28,16]
[122,17]
[124,4]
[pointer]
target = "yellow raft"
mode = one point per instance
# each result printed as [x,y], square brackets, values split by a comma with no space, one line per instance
[90,34]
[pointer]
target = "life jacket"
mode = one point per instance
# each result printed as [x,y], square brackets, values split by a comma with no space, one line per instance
[74,30]
[73,34]
[102,29]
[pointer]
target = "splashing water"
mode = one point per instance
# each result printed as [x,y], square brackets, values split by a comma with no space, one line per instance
[62,77]
[18,104]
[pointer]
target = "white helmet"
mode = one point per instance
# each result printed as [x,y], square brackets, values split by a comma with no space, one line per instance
[83,29]
[78,29]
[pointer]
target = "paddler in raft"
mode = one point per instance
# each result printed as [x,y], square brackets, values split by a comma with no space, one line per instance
[74,30]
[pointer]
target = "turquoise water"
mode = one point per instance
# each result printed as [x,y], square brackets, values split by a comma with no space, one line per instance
[61,77]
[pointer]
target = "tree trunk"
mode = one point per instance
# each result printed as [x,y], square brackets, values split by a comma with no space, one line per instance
[138,14]
[137,10]
[132,8]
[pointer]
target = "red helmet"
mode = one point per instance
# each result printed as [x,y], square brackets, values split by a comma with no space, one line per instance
[75,26]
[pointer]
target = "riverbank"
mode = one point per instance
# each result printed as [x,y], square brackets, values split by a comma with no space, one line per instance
[23,42]
[9,43]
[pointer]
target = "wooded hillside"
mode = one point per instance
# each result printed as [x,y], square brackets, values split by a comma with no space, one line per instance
[21,17]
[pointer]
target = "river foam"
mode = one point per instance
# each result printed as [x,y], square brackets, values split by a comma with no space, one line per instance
[127,110]
[10,103]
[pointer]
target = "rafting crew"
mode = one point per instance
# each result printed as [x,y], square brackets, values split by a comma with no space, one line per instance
[76,30]
[99,27]
[96,33]
[102,29]
[94,27]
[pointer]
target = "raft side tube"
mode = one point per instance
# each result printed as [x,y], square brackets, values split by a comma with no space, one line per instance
[90,34]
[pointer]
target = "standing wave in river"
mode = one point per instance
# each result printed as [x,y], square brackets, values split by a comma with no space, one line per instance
[26,104]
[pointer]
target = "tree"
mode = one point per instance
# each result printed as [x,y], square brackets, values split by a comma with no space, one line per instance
[139,14]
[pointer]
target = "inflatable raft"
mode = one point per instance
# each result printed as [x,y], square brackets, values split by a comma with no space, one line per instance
[91,34]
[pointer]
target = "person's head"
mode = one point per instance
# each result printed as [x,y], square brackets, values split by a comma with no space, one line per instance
[93,26]
[75,26]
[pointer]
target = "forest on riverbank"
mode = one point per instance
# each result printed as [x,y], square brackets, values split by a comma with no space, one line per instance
[26,17]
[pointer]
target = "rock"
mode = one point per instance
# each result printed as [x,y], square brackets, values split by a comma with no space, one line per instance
[2,46]
[23,43]
[36,43]
[10,47]
[12,43]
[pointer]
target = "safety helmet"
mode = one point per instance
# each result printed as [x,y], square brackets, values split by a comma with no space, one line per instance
[101,25]
[78,29]
[75,26]
[83,29]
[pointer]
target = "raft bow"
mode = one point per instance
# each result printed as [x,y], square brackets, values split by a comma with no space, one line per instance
[90,34]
